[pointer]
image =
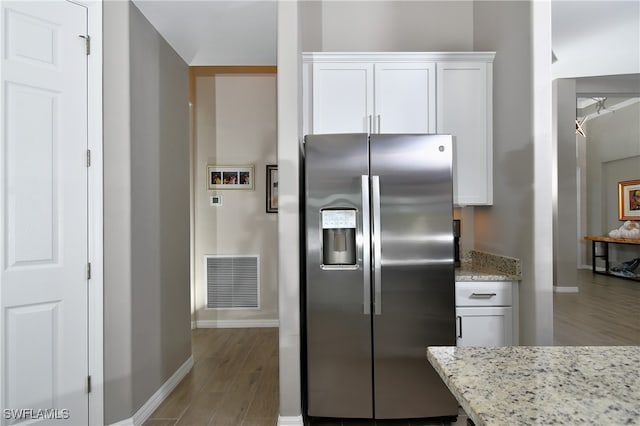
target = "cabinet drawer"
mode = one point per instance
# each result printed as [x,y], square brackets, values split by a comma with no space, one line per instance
[476,293]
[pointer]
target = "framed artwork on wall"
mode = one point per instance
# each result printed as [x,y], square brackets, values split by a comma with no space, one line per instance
[629,200]
[229,177]
[272,188]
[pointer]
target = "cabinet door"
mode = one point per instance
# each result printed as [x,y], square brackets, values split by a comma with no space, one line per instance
[405,100]
[342,98]
[464,111]
[486,326]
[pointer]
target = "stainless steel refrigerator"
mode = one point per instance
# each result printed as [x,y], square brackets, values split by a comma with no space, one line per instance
[379,274]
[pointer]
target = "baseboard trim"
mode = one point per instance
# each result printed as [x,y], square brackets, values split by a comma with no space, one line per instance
[156,399]
[565,289]
[290,421]
[237,323]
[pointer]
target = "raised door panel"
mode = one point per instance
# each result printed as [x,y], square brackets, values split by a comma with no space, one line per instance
[405,98]
[464,111]
[342,98]
[489,326]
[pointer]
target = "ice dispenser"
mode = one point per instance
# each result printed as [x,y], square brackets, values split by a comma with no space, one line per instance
[339,237]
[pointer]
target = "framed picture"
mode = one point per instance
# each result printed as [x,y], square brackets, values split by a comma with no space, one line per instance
[272,188]
[229,177]
[629,200]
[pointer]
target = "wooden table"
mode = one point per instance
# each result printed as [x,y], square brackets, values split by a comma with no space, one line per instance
[605,241]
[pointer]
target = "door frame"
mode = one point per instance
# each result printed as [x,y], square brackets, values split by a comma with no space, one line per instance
[95,211]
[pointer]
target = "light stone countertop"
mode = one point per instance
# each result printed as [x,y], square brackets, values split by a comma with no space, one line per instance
[536,385]
[481,266]
[468,273]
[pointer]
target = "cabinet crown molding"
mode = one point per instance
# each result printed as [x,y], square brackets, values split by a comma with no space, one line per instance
[397,56]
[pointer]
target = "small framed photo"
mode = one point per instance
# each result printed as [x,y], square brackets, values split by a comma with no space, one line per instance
[629,200]
[272,188]
[229,177]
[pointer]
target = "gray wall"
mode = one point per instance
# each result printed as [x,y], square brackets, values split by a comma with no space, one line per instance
[566,236]
[613,155]
[118,380]
[146,144]
[507,227]
[381,26]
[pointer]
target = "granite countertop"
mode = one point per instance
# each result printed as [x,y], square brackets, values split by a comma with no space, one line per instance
[469,273]
[481,266]
[543,385]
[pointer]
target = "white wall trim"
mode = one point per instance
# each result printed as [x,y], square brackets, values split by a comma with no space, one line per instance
[538,318]
[257,323]
[290,421]
[156,399]
[125,422]
[397,56]
[564,289]
[95,212]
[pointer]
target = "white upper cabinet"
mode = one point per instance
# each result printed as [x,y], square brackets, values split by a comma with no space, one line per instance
[409,92]
[465,111]
[342,97]
[404,97]
[374,97]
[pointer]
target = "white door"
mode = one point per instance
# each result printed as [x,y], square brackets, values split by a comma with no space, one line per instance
[43,203]
[490,326]
[342,98]
[405,98]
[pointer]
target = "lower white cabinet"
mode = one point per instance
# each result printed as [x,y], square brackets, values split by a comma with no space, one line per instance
[490,326]
[485,313]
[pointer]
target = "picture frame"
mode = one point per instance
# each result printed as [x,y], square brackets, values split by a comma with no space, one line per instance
[629,200]
[272,188]
[230,177]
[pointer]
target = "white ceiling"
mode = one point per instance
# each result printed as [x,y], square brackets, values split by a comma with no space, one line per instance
[216,32]
[590,37]
[594,38]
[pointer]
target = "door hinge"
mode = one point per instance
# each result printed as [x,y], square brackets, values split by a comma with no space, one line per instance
[89,270]
[88,384]
[88,158]
[87,40]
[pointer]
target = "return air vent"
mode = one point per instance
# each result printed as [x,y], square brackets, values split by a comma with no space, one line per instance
[232,282]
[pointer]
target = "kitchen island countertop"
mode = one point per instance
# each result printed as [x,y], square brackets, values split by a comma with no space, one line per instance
[543,385]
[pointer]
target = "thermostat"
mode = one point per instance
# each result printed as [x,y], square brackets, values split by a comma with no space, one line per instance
[215,200]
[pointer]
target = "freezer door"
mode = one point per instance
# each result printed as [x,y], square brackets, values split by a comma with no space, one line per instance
[414,288]
[338,320]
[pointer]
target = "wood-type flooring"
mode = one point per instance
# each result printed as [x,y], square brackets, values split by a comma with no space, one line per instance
[234,381]
[604,312]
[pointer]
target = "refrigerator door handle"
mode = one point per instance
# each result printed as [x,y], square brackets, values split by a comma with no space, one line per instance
[366,245]
[377,248]
[370,122]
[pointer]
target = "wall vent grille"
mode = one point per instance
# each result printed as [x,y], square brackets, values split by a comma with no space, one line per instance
[233,282]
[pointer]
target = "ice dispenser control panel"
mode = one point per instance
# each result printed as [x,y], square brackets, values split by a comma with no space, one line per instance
[339,237]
